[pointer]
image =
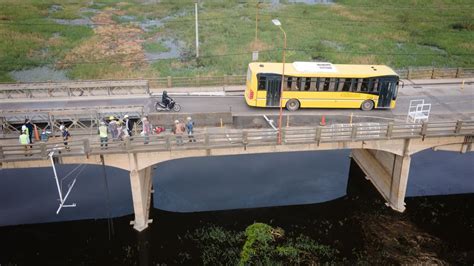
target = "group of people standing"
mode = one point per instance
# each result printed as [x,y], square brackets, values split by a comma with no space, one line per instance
[118,128]
[179,129]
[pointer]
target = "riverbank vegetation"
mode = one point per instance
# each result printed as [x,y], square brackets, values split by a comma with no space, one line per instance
[87,39]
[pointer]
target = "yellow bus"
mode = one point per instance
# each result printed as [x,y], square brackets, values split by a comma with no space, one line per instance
[321,85]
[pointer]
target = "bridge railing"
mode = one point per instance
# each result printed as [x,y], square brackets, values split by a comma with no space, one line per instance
[141,87]
[239,138]
[73,89]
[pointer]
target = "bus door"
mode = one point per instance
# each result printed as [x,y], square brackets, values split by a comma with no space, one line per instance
[273,87]
[387,92]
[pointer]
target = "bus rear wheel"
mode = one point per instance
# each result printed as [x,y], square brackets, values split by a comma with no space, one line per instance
[367,105]
[292,105]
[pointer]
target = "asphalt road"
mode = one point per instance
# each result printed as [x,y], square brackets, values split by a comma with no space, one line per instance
[448,101]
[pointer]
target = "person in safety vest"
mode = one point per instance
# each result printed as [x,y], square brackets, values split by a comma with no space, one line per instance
[103,134]
[25,141]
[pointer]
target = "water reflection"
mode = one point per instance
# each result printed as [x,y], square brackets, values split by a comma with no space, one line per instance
[256,180]
[440,173]
[217,183]
[30,195]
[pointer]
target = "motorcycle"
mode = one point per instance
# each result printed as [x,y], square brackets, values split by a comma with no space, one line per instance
[159,106]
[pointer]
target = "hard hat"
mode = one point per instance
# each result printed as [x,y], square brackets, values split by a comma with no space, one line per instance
[125,116]
[188,118]
[102,123]
[111,117]
[176,121]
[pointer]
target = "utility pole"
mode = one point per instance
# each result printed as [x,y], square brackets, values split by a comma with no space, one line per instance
[197,28]
[256,22]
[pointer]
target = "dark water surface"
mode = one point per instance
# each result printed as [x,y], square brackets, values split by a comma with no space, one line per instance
[216,183]
[445,224]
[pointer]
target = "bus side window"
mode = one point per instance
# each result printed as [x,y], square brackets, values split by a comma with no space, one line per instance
[312,84]
[262,81]
[318,80]
[341,84]
[376,85]
[294,84]
[332,84]
[373,83]
[359,84]
[365,85]
[326,84]
[347,85]
[298,84]
[354,84]
[335,87]
[307,83]
[289,80]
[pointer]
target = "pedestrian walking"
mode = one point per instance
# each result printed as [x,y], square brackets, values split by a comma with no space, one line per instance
[66,135]
[146,130]
[128,125]
[25,141]
[179,130]
[190,129]
[30,127]
[44,135]
[113,127]
[120,129]
[103,134]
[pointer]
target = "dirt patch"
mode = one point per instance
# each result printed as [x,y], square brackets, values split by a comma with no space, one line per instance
[398,241]
[259,46]
[112,42]
[345,12]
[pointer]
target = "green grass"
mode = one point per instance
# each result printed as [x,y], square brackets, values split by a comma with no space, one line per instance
[397,33]
[155,47]
[28,39]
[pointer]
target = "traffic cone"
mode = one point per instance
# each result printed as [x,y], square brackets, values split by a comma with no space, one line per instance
[323,121]
[37,137]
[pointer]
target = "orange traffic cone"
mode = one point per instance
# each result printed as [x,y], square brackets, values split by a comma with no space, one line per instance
[323,121]
[37,136]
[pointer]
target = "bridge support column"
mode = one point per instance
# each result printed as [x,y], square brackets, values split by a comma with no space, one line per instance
[388,172]
[141,183]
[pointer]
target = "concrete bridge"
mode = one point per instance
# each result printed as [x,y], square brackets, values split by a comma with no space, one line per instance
[383,151]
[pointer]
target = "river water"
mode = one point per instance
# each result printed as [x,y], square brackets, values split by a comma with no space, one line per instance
[336,206]
[30,196]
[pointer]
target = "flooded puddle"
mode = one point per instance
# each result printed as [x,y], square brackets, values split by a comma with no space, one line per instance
[173,49]
[39,74]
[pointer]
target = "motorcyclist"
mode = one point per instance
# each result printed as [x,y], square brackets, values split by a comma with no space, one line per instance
[166,100]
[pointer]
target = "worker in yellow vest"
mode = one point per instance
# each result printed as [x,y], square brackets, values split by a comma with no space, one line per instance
[25,141]
[103,134]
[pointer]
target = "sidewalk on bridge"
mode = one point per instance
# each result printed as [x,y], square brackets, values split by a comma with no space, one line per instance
[437,81]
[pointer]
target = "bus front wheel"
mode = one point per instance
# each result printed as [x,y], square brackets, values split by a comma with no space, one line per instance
[367,105]
[293,105]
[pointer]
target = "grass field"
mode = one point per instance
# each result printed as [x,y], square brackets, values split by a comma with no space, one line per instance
[403,33]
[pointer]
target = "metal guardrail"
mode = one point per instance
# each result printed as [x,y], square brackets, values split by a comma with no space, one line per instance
[244,138]
[82,120]
[73,89]
[141,87]
[407,73]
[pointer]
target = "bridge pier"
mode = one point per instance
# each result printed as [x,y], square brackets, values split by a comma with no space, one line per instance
[141,184]
[388,172]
